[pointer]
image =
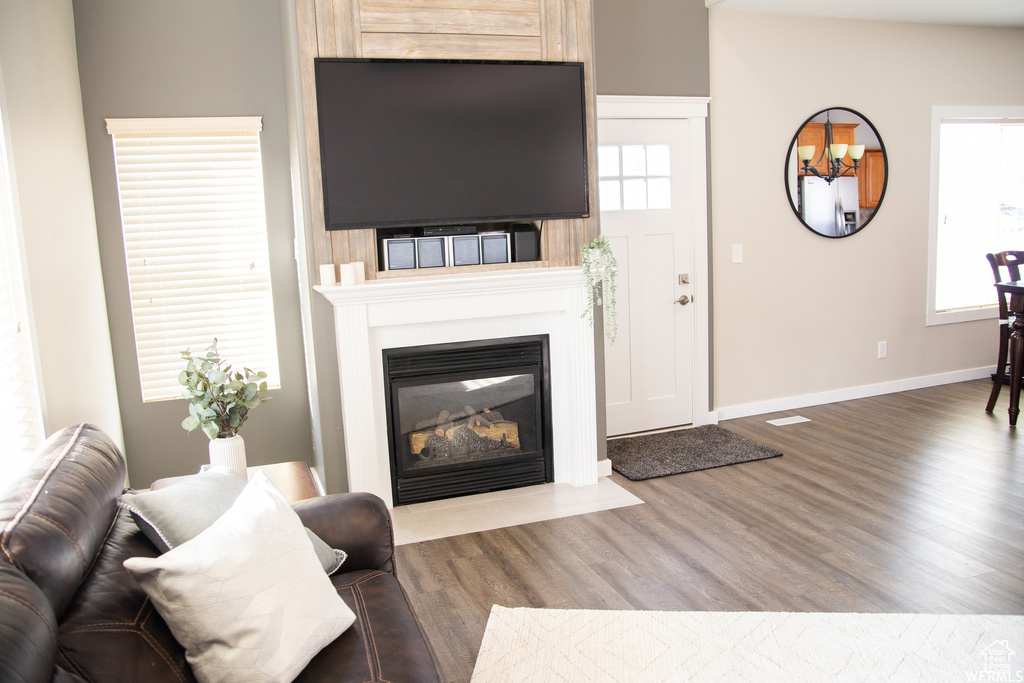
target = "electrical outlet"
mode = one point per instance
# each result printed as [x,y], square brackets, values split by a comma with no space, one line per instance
[737,253]
[883,349]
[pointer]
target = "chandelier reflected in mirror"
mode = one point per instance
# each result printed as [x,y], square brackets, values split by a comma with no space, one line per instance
[836,153]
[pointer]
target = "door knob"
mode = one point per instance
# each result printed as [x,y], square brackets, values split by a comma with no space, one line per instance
[683,300]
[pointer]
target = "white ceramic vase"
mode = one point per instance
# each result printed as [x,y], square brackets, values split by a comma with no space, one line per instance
[229,452]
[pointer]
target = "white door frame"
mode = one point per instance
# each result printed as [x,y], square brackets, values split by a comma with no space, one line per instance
[695,108]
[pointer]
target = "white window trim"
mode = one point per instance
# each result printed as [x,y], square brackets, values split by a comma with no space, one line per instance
[37,417]
[940,114]
[191,124]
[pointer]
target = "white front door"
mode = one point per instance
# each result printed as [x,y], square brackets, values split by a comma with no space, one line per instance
[649,202]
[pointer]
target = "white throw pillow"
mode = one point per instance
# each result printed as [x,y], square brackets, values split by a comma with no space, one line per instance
[246,598]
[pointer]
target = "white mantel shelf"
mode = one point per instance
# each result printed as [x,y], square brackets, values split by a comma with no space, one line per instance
[429,287]
[385,314]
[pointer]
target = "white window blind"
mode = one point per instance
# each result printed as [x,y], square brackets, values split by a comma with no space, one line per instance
[195,238]
[21,419]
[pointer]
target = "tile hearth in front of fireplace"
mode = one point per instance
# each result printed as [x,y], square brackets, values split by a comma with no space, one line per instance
[498,509]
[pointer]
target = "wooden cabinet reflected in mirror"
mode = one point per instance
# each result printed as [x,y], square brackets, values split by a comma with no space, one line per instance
[836,172]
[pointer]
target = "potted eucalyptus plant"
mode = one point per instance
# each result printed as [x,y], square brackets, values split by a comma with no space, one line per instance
[220,401]
[600,268]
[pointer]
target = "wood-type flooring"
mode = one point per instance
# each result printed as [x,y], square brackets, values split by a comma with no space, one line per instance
[909,502]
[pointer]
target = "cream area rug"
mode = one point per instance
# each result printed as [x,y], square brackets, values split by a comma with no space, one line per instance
[540,645]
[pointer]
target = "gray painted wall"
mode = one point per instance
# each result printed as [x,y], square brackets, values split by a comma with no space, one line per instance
[651,47]
[192,58]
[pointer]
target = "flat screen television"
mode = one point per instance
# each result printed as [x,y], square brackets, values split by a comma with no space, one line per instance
[450,142]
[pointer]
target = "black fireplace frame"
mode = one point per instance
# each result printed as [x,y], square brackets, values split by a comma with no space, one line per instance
[460,361]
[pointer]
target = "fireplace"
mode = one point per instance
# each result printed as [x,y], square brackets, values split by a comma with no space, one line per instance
[468,417]
[403,312]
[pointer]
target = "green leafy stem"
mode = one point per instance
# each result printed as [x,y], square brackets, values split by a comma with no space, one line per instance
[220,399]
[600,268]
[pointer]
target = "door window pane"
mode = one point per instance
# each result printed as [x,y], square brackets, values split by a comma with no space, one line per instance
[634,177]
[634,194]
[634,160]
[657,160]
[608,161]
[659,193]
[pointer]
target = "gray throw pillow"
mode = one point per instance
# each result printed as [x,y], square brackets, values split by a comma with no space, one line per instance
[246,598]
[173,515]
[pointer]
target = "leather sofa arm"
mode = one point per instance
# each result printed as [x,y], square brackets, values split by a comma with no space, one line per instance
[28,630]
[358,523]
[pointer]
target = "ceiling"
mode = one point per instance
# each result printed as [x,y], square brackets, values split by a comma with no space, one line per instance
[966,12]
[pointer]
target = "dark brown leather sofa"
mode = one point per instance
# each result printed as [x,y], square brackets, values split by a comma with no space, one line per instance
[69,611]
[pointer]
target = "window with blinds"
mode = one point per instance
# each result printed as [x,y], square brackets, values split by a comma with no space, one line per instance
[21,419]
[195,239]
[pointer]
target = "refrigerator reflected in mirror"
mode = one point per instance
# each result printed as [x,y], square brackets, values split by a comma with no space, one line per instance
[830,209]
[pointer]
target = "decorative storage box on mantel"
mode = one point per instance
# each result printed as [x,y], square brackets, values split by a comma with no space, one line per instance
[394,314]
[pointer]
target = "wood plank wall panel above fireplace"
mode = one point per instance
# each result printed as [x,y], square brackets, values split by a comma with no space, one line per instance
[433,46]
[553,30]
[509,18]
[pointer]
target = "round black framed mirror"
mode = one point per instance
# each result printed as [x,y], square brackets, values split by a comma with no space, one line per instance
[837,172]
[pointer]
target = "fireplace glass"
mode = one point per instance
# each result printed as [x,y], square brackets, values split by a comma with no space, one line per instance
[468,418]
[474,419]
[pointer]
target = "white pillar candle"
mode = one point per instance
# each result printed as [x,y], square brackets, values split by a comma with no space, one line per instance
[348,274]
[327,274]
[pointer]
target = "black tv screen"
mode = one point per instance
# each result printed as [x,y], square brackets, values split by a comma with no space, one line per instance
[431,142]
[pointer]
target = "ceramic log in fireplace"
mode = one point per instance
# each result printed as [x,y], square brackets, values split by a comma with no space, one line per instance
[468,417]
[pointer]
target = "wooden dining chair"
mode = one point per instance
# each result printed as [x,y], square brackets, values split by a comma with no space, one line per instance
[1010,262]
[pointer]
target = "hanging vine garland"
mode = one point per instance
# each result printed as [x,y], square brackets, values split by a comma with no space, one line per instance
[600,269]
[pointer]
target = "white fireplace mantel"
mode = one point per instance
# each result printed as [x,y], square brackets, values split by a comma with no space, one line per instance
[384,314]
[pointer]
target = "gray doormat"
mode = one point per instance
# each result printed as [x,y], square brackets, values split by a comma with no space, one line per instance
[685,450]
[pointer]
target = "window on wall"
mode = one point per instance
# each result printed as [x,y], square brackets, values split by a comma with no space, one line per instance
[634,177]
[977,206]
[195,238]
[21,419]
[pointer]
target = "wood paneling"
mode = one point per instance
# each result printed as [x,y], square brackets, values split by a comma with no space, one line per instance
[909,502]
[552,16]
[411,19]
[571,48]
[588,229]
[444,46]
[399,6]
[338,28]
[308,23]
[552,30]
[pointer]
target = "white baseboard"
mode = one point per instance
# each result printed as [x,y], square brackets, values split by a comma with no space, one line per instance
[604,468]
[709,418]
[792,402]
